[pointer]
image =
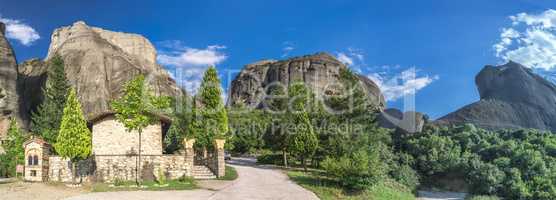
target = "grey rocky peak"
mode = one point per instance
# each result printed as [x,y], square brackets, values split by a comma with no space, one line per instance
[98,63]
[2,28]
[8,83]
[511,96]
[405,122]
[320,72]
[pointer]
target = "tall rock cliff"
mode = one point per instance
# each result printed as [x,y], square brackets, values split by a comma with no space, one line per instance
[8,83]
[321,72]
[512,96]
[97,63]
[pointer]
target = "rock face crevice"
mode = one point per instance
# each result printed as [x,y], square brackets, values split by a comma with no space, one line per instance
[98,63]
[320,72]
[512,97]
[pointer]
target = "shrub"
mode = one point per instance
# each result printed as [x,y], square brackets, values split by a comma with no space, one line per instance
[356,171]
[405,175]
[119,182]
[482,197]
[270,158]
[161,180]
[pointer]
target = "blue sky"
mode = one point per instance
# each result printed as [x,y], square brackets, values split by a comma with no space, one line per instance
[445,42]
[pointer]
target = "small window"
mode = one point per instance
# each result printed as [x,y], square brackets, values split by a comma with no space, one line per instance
[30,160]
[35,160]
[33,172]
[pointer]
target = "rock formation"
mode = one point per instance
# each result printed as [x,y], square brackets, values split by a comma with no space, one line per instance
[512,96]
[97,63]
[8,83]
[321,72]
[404,122]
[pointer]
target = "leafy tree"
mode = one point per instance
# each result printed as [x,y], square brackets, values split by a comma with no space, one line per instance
[247,128]
[179,128]
[302,142]
[14,152]
[276,136]
[213,114]
[74,140]
[137,109]
[46,121]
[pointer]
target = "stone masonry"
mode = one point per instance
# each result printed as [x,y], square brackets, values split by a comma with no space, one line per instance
[111,138]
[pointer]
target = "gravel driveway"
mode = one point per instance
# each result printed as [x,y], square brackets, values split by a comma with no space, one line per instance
[254,182]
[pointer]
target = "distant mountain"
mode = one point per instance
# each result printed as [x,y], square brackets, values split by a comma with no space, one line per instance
[511,97]
[321,72]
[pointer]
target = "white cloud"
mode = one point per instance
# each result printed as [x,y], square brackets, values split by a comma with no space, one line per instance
[189,64]
[399,85]
[354,58]
[288,48]
[342,57]
[20,31]
[531,40]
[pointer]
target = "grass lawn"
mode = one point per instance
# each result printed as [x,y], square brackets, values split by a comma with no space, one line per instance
[180,184]
[327,189]
[231,174]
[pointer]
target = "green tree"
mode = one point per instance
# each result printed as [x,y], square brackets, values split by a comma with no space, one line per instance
[214,117]
[137,109]
[74,139]
[302,142]
[13,148]
[276,136]
[179,129]
[46,120]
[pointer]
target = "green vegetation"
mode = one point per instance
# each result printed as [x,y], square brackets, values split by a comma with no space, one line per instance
[213,116]
[518,164]
[179,184]
[328,189]
[74,139]
[302,141]
[231,174]
[481,197]
[47,119]
[137,109]
[14,152]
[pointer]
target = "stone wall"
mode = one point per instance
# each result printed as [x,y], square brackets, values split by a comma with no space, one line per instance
[110,168]
[111,138]
[60,169]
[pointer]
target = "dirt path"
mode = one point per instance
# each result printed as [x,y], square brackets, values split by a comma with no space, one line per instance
[36,191]
[254,182]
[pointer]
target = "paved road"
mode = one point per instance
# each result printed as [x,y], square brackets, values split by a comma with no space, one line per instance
[254,182]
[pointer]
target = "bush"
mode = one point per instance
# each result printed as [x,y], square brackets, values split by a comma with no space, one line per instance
[357,171]
[161,180]
[405,175]
[482,197]
[269,158]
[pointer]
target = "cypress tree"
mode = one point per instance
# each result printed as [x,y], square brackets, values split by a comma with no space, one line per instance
[214,116]
[46,120]
[303,141]
[74,139]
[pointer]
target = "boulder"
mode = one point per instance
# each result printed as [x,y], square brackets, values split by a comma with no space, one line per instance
[511,97]
[320,72]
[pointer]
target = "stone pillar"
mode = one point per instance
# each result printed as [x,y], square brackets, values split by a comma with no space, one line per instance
[189,155]
[219,154]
